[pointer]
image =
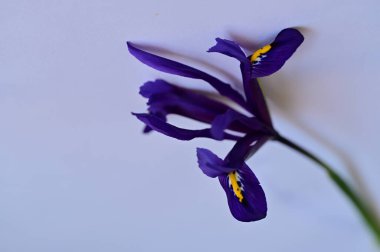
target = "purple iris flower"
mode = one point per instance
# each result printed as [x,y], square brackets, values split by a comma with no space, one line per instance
[246,198]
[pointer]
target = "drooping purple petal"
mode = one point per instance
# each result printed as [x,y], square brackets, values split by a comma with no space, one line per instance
[173,67]
[271,58]
[165,98]
[176,100]
[211,164]
[253,94]
[159,125]
[249,202]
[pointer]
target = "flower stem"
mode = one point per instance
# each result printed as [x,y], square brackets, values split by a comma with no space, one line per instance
[361,205]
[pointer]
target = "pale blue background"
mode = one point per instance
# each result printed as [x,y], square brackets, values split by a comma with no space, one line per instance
[77,175]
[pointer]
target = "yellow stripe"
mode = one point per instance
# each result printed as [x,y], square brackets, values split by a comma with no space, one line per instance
[260,52]
[235,187]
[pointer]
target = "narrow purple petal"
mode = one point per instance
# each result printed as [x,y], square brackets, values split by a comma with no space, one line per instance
[161,126]
[211,164]
[281,49]
[251,205]
[159,114]
[229,48]
[257,101]
[158,124]
[236,157]
[173,67]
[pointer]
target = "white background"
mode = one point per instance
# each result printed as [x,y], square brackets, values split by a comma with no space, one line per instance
[76,174]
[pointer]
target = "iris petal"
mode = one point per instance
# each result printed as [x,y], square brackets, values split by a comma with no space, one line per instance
[259,105]
[165,98]
[245,147]
[252,90]
[170,99]
[246,198]
[156,87]
[211,164]
[252,206]
[229,48]
[159,114]
[173,67]
[271,58]
[158,124]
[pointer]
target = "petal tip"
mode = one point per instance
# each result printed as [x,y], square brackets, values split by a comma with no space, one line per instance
[257,217]
[293,32]
[214,47]
[130,45]
[140,116]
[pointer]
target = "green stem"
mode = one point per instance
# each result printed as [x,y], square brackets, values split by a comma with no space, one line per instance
[362,207]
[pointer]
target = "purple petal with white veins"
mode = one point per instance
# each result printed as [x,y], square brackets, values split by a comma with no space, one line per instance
[281,49]
[250,204]
[246,198]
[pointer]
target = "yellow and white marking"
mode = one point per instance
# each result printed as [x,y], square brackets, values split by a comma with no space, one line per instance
[234,181]
[258,55]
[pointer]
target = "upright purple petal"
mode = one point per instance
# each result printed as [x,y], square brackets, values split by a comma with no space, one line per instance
[211,164]
[245,196]
[159,125]
[272,57]
[173,67]
[253,94]
[229,48]
[257,102]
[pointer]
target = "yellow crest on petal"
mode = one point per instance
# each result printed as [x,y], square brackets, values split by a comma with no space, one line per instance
[260,52]
[234,178]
